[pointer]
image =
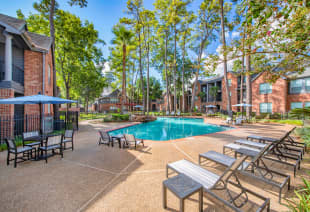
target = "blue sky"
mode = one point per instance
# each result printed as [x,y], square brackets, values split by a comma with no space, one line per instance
[102,13]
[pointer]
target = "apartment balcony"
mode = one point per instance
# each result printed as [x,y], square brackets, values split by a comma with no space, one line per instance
[17,82]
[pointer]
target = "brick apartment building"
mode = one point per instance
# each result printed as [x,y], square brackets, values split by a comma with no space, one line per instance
[109,102]
[25,65]
[281,96]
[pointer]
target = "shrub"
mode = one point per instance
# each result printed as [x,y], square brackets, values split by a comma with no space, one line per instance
[198,114]
[263,116]
[302,200]
[275,116]
[120,117]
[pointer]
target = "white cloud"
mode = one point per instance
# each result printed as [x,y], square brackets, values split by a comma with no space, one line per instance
[220,68]
[106,67]
[235,34]
[227,36]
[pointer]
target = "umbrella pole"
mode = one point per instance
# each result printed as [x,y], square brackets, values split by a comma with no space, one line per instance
[40,106]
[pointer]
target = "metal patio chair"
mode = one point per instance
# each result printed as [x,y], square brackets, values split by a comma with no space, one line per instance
[33,137]
[25,151]
[131,139]
[68,138]
[52,143]
[104,138]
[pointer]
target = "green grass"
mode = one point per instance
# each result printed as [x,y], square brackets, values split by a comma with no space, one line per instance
[286,121]
[89,116]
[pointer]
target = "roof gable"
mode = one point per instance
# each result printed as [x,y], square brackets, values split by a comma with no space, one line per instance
[35,42]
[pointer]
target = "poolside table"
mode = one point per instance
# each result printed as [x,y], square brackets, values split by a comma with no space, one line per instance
[119,139]
[183,187]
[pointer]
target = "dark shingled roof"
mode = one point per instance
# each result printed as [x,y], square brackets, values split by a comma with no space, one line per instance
[40,41]
[37,41]
[210,80]
[17,24]
[115,93]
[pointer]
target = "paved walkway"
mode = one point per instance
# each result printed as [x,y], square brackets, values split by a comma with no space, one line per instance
[101,178]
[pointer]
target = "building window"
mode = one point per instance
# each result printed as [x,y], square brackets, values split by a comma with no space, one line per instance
[296,105]
[49,108]
[229,82]
[229,93]
[296,86]
[307,104]
[265,107]
[49,74]
[265,88]
[307,84]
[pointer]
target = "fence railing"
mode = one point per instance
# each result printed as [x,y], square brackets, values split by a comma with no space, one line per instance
[12,126]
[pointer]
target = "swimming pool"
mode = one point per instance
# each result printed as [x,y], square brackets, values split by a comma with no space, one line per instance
[164,129]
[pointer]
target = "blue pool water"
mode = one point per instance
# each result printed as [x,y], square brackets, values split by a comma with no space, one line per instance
[164,129]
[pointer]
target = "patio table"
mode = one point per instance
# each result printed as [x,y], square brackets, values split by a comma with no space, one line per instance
[183,187]
[119,139]
[38,142]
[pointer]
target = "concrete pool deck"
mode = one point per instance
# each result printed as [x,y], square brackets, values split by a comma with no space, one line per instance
[101,178]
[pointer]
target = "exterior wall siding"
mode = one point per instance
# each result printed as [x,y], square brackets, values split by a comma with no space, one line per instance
[304,97]
[278,96]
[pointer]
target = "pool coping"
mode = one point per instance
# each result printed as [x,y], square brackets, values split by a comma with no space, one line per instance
[180,139]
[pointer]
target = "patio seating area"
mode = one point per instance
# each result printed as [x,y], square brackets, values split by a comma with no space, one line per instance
[101,177]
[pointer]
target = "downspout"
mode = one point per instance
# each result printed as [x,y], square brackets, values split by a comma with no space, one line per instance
[43,87]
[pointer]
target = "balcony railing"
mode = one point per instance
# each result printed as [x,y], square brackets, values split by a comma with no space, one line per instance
[17,73]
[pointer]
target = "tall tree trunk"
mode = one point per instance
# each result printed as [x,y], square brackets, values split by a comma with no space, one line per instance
[183,90]
[225,59]
[242,72]
[148,80]
[86,105]
[195,86]
[166,73]
[248,83]
[175,70]
[124,79]
[248,74]
[141,72]
[52,34]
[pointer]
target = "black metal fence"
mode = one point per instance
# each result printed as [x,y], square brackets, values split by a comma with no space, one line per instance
[12,126]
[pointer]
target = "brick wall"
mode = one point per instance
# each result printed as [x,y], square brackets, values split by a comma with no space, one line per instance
[48,90]
[303,97]
[7,112]
[278,97]
[4,94]
[33,77]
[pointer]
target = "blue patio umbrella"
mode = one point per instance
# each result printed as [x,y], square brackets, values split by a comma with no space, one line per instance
[36,99]
[138,106]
